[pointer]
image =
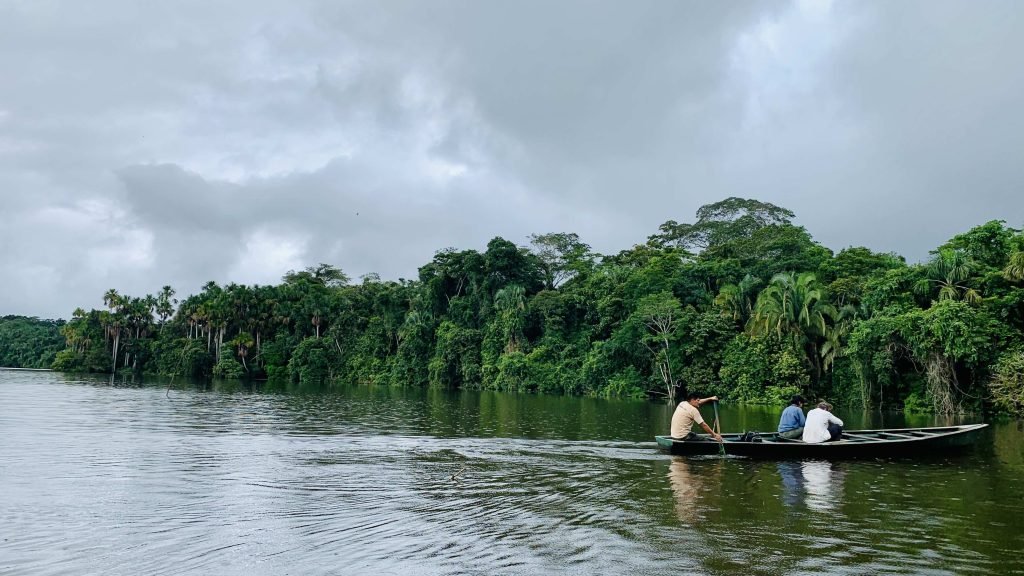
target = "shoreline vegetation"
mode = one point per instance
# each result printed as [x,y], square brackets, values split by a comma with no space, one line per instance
[29,343]
[740,302]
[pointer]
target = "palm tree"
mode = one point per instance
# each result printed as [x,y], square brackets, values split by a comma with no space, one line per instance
[948,271]
[510,303]
[1014,271]
[793,308]
[737,300]
[165,304]
[243,342]
[113,321]
[836,335]
[112,299]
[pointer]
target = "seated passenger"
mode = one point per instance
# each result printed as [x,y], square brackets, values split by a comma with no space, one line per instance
[791,424]
[821,425]
[685,416]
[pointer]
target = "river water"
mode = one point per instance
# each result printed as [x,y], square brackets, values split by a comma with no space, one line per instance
[102,477]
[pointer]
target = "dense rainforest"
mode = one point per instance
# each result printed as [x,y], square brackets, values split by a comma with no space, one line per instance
[29,342]
[741,303]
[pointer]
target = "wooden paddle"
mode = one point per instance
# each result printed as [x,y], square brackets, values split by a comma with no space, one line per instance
[718,430]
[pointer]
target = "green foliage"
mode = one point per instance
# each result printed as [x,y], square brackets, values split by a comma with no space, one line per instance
[761,370]
[987,245]
[561,256]
[514,373]
[858,262]
[701,344]
[741,303]
[321,274]
[660,314]
[721,223]
[948,277]
[737,300]
[793,309]
[1007,384]
[312,362]
[847,274]
[275,355]
[951,343]
[627,383]
[917,403]
[411,364]
[771,250]
[183,357]
[1014,270]
[228,368]
[954,329]
[456,361]
[844,389]
[29,342]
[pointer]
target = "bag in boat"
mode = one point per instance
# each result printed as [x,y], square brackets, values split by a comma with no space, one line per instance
[750,436]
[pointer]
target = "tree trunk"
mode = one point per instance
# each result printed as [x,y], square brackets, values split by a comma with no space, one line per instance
[668,368]
[117,339]
[941,379]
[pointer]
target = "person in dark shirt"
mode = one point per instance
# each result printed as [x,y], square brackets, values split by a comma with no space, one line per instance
[791,425]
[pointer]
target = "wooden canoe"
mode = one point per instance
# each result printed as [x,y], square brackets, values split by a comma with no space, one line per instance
[854,443]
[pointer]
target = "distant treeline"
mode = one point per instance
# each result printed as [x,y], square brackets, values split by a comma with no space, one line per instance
[740,302]
[29,342]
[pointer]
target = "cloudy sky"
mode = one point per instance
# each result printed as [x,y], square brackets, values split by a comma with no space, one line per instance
[152,143]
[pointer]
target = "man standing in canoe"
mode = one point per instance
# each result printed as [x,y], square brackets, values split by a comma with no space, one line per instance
[791,425]
[687,414]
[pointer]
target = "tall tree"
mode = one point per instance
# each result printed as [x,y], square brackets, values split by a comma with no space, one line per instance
[660,313]
[323,274]
[946,277]
[721,222]
[165,303]
[1014,270]
[737,300]
[510,306]
[793,308]
[562,256]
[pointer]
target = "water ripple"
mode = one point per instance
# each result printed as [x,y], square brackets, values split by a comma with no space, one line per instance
[108,479]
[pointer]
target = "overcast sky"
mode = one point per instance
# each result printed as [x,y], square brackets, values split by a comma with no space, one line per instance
[152,143]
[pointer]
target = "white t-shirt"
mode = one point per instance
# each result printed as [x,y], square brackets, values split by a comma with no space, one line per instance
[816,428]
[684,418]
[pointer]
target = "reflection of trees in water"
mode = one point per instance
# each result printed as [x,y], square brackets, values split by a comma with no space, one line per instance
[818,483]
[688,482]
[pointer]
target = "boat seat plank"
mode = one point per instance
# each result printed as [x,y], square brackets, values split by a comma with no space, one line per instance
[904,436]
[861,438]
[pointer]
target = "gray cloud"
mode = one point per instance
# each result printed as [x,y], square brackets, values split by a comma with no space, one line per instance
[142,145]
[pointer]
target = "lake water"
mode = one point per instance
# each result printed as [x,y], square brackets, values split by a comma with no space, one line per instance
[100,477]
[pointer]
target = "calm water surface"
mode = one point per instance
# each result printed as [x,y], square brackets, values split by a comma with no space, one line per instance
[101,478]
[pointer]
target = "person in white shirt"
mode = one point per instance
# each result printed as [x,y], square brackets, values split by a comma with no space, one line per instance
[821,425]
[687,414]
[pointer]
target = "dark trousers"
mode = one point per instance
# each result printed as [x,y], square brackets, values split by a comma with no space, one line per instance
[835,432]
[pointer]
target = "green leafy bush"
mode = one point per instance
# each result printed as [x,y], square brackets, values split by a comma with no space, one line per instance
[761,370]
[917,403]
[312,361]
[628,383]
[228,368]
[1007,383]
